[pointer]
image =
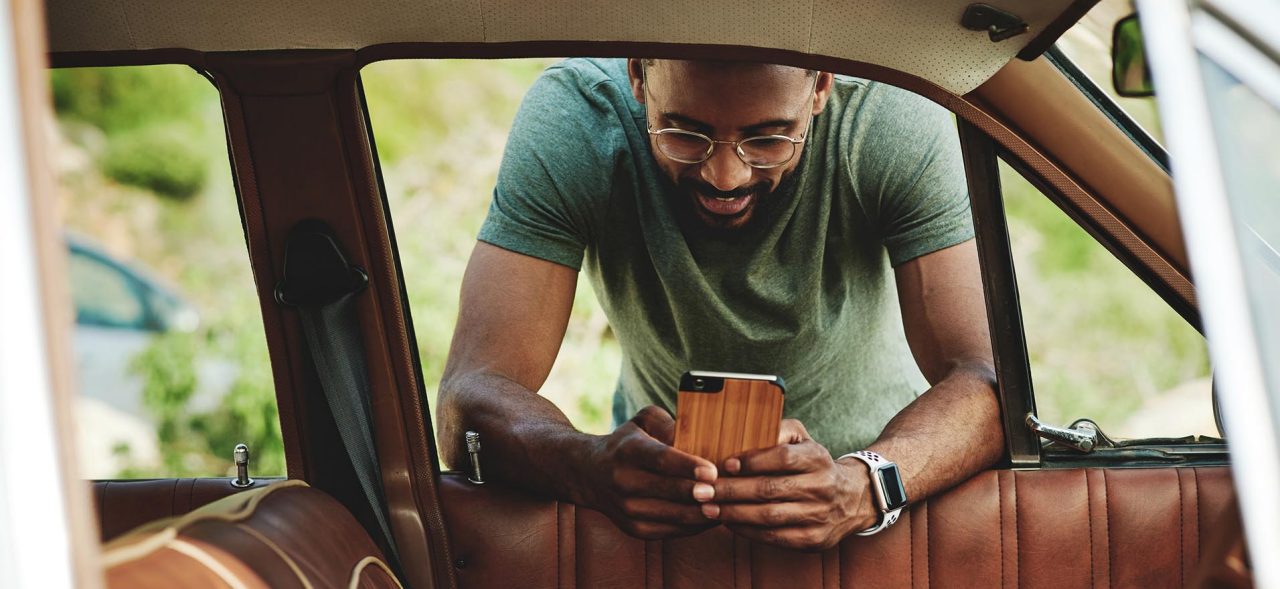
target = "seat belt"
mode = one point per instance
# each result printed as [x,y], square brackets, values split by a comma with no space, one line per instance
[322,286]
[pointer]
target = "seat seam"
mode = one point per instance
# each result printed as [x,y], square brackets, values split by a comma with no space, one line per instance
[173,498]
[928,545]
[1195,478]
[1017,532]
[1111,560]
[911,552]
[1088,505]
[1182,564]
[559,563]
[1000,503]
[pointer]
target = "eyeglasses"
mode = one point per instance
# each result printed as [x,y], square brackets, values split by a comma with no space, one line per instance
[761,151]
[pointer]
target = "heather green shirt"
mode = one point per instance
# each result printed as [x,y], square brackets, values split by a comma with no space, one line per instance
[810,297]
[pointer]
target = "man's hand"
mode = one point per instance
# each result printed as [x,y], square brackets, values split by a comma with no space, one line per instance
[648,488]
[793,495]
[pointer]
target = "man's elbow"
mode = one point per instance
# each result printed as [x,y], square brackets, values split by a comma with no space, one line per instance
[450,424]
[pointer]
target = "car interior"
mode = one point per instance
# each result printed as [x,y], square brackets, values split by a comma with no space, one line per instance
[366,501]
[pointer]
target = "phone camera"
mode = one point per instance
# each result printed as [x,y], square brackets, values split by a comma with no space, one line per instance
[699,384]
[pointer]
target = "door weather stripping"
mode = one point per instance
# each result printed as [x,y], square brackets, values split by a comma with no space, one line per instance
[1083,435]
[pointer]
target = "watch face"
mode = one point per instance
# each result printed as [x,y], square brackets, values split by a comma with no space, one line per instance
[895,496]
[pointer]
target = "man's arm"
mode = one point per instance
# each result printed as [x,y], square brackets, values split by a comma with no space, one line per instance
[512,318]
[795,495]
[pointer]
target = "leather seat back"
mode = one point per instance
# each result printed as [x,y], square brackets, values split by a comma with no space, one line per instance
[123,505]
[283,536]
[1059,528]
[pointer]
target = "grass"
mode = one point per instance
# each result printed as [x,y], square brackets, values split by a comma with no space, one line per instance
[1101,344]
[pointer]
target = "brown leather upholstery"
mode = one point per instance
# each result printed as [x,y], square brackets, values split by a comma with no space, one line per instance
[283,536]
[1059,528]
[125,505]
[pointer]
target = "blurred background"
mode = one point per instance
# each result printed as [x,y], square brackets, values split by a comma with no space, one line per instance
[173,367]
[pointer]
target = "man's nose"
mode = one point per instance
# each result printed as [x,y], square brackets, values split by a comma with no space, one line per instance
[725,170]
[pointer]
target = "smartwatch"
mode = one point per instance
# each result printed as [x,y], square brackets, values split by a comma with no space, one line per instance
[886,483]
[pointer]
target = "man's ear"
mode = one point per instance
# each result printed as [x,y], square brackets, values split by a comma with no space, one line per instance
[822,91]
[637,79]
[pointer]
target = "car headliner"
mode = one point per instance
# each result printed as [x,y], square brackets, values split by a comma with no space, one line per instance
[924,39]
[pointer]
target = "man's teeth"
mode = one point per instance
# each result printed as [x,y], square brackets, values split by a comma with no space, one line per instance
[729,199]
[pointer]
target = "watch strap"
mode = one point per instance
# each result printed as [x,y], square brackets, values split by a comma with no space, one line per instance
[875,463]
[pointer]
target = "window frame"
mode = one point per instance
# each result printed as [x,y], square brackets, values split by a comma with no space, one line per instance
[1008,337]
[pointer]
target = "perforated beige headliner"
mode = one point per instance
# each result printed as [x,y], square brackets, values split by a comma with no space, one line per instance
[923,38]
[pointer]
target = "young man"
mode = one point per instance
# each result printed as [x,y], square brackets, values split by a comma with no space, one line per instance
[734,217]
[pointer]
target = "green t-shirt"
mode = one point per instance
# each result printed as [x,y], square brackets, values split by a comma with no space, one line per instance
[810,297]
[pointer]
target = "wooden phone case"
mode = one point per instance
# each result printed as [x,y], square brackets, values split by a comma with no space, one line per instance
[719,415]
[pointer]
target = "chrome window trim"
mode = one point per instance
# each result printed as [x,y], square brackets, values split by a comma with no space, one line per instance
[1209,230]
[35,535]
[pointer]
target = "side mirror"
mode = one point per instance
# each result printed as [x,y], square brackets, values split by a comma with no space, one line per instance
[1129,72]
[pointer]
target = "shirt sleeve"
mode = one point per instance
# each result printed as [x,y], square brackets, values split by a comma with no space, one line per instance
[910,166]
[555,168]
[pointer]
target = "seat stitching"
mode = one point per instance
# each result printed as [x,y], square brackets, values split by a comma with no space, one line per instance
[1000,501]
[1111,560]
[173,498]
[1017,531]
[559,563]
[1195,477]
[928,544]
[1182,565]
[1088,505]
[733,562]
[911,551]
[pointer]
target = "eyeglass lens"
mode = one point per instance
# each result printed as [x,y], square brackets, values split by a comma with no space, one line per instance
[756,151]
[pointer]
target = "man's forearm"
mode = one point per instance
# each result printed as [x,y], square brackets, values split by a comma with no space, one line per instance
[526,440]
[947,434]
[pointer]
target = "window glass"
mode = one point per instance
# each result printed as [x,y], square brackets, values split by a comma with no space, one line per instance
[171,358]
[831,328]
[103,295]
[439,162]
[1246,121]
[1088,46]
[1102,344]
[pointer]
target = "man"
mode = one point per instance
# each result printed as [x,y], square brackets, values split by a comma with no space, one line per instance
[734,217]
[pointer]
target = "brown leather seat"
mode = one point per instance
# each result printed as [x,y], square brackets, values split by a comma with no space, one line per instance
[125,505]
[286,535]
[1005,528]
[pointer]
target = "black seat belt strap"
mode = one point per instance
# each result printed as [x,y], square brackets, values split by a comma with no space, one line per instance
[322,286]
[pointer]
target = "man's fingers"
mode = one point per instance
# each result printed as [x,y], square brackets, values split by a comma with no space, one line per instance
[642,483]
[765,489]
[656,422]
[792,432]
[660,458]
[805,456]
[769,515]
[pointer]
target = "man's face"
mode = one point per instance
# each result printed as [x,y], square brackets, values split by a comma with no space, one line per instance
[727,102]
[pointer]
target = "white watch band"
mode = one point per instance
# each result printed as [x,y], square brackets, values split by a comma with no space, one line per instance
[874,463]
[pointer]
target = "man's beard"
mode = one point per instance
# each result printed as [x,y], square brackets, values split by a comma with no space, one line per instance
[764,208]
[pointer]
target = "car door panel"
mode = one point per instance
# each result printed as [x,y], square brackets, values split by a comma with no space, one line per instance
[1091,527]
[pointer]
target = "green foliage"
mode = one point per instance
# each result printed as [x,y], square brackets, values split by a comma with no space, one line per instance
[121,99]
[1101,342]
[159,158]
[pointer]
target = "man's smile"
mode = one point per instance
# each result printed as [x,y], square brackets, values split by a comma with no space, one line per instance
[725,206]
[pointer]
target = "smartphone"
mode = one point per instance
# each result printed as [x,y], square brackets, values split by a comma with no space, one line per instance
[722,414]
